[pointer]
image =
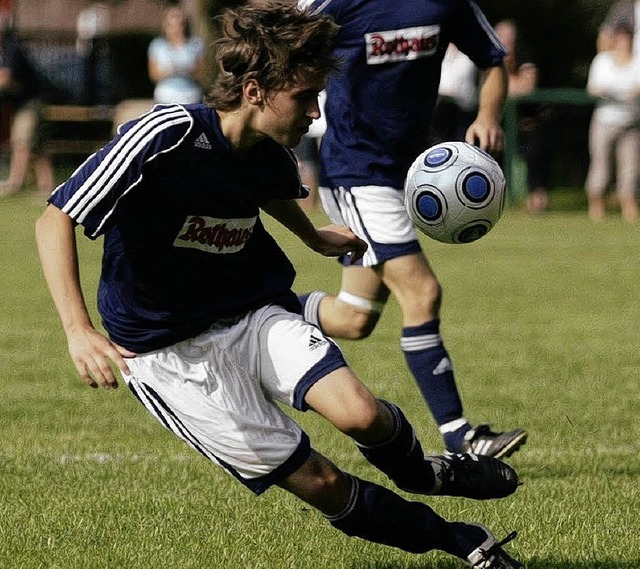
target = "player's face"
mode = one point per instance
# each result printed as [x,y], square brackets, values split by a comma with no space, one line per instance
[288,113]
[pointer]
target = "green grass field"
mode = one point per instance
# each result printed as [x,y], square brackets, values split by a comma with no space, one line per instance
[542,320]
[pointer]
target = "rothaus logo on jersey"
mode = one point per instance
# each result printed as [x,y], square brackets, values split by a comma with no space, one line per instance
[213,235]
[401,45]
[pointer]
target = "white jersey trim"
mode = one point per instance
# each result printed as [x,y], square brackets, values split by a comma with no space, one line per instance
[120,157]
[306,4]
[482,19]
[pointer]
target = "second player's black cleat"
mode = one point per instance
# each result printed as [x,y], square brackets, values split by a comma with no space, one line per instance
[483,441]
[473,476]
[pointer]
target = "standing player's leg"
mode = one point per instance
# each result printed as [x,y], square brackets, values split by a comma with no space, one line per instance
[419,294]
[415,286]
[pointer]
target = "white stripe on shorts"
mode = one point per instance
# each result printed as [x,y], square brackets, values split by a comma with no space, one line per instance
[217,391]
[377,215]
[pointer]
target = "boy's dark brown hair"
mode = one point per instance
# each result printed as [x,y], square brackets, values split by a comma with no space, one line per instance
[273,42]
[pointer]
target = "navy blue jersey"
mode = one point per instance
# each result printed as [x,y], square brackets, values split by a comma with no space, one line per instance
[379,104]
[179,210]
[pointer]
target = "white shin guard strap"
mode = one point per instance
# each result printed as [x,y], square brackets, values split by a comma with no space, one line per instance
[361,303]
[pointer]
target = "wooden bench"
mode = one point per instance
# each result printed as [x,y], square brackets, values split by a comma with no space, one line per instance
[106,118]
[101,116]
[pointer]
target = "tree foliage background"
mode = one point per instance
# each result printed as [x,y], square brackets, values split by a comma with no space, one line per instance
[561,34]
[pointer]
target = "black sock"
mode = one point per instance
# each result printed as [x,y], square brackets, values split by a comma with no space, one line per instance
[402,458]
[379,515]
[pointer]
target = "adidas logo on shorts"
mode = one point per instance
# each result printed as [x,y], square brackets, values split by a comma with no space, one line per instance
[315,342]
[202,142]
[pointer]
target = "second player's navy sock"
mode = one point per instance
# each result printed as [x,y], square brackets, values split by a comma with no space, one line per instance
[429,363]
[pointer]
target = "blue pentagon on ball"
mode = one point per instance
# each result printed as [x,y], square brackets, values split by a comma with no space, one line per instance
[437,157]
[476,187]
[429,206]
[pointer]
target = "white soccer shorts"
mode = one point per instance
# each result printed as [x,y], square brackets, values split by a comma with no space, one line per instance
[377,215]
[218,391]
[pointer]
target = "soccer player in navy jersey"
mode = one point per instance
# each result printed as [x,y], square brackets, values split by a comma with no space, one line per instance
[378,111]
[196,296]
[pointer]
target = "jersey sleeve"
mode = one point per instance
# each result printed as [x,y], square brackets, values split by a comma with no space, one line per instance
[91,195]
[474,36]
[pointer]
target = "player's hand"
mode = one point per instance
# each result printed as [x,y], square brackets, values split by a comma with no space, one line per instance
[487,135]
[92,353]
[337,240]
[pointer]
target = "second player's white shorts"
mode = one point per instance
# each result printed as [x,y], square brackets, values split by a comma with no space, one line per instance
[218,390]
[377,215]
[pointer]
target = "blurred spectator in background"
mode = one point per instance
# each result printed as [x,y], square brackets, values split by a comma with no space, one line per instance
[91,22]
[457,103]
[614,77]
[532,140]
[176,61]
[625,12]
[308,156]
[22,87]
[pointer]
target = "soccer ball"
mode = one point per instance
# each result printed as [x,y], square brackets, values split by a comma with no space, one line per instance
[455,192]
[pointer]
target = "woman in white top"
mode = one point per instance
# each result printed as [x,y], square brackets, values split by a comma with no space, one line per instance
[614,77]
[176,61]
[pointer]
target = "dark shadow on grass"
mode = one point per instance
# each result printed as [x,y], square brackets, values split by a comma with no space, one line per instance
[535,563]
[558,471]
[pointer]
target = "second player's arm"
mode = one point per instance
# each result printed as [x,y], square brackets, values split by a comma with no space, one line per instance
[486,131]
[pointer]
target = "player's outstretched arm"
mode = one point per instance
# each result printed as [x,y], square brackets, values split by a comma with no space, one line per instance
[330,241]
[90,351]
[486,130]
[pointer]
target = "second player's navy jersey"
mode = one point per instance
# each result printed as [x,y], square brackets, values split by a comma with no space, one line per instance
[179,210]
[379,104]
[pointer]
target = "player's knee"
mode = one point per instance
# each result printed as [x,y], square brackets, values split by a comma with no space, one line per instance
[427,298]
[359,325]
[359,315]
[326,482]
[364,420]
[320,483]
[432,291]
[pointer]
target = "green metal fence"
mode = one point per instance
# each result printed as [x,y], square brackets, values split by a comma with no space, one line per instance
[514,165]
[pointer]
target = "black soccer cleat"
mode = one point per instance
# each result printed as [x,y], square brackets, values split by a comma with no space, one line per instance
[481,440]
[473,476]
[491,555]
[478,548]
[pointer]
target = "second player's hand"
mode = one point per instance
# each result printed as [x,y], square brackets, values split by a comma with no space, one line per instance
[92,353]
[486,135]
[337,240]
